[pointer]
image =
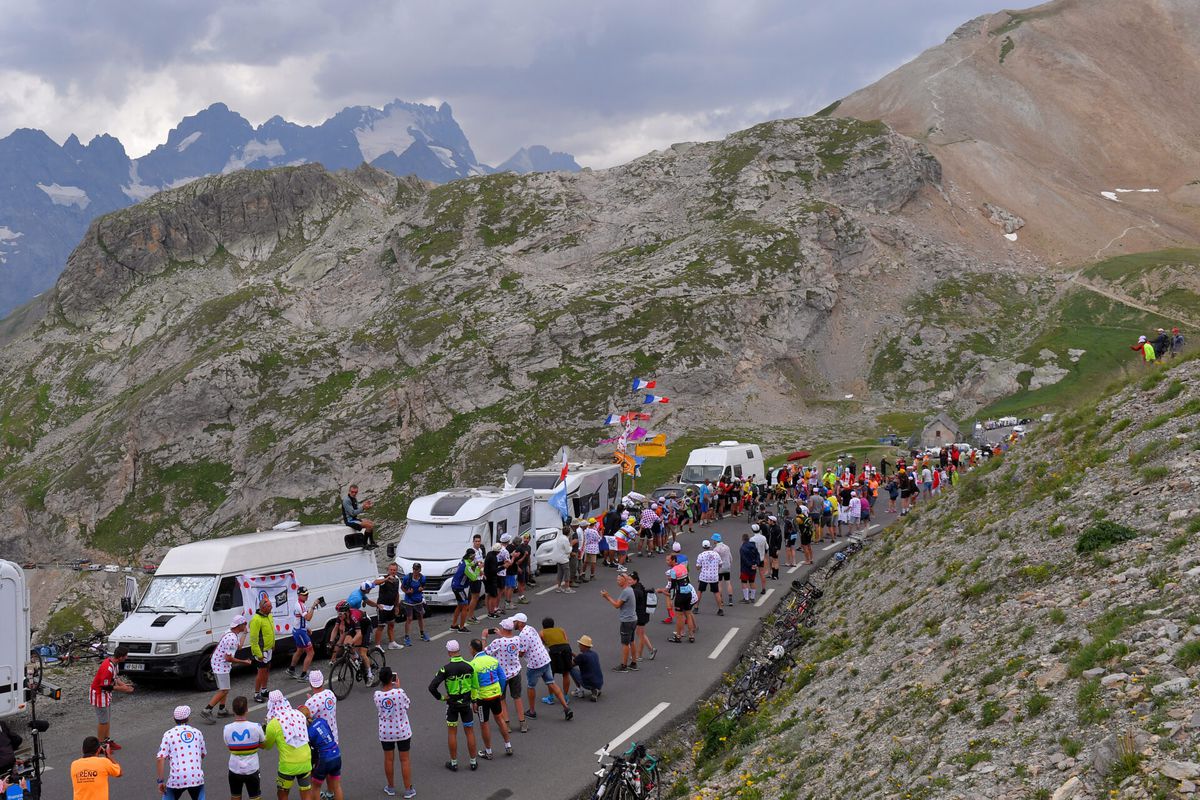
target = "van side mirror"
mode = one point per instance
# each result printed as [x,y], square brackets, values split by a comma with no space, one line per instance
[126,605]
[390,549]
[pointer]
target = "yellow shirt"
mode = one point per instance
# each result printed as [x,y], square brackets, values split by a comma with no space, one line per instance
[89,777]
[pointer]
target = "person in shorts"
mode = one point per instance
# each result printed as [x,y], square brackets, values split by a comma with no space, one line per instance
[243,739]
[506,649]
[287,731]
[642,601]
[487,693]
[458,677]
[183,747]
[413,586]
[750,562]
[492,580]
[327,754]
[708,566]
[626,605]
[221,663]
[389,599]
[395,731]
[537,667]
[100,696]
[301,616]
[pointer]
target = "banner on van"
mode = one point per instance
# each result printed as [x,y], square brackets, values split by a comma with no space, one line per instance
[280,587]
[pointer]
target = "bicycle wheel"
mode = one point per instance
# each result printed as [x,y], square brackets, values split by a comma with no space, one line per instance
[651,783]
[341,678]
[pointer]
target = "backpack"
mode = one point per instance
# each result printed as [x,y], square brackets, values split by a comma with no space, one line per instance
[828,508]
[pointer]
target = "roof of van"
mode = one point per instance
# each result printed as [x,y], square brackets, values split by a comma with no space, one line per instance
[251,551]
[464,505]
[543,481]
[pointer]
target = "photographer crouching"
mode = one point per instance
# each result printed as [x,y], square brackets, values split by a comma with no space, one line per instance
[90,774]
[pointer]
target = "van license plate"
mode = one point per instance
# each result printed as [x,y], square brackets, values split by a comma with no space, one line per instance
[130,666]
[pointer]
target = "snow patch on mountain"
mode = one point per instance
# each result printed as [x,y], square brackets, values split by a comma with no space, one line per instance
[135,190]
[392,133]
[66,195]
[252,151]
[186,143]
[444,155]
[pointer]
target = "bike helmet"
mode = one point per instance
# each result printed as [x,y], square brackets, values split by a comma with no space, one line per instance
[840,556]
[343,606]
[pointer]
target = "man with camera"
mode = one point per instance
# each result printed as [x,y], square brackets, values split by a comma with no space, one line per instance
[90,774]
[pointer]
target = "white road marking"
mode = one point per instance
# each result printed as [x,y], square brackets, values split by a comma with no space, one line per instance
[292,694]
[829,547]
[793,570]
[763,598]
[626,734]
[873,527]
[440,635]
[729,634]
[547,590]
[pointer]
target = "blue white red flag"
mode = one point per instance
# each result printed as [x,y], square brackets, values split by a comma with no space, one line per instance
[654,398]
[639,384]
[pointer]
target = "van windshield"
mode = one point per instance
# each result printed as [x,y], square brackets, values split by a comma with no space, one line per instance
[699,473]
[179,593]
[426,541]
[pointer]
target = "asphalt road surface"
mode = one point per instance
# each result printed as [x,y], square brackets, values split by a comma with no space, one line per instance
[555,759]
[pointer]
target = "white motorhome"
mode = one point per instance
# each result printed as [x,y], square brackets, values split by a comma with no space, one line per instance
[590,491]
[14,638]
[441,526]
[195,595]
[728,459]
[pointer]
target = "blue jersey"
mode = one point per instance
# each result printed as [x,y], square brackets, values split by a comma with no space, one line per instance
[417,585]
[355,599]
[320,736]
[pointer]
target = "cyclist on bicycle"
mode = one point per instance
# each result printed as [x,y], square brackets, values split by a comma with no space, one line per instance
[354,628]
[356,600]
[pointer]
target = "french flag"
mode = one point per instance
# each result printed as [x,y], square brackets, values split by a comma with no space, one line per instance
[613,419]
[654,398]
[639,384]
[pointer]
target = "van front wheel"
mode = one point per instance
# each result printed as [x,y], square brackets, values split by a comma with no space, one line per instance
[203,677]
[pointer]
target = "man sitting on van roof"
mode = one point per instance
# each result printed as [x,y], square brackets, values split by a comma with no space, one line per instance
[351,509]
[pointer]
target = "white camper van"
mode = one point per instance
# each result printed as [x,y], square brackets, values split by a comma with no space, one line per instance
[590,491]
[441,525]
[727,459]
[14,638]
[195,595]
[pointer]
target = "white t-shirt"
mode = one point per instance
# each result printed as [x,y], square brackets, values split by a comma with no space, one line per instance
[226,647]
[300,613]
[709,565]
[243,738]
[926,475]
[323,705]
[535,652]
[183,745]
[393,715]
[760,542]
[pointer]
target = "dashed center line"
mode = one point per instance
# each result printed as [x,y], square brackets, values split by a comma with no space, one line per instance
[547,590]
[625,735]
[764,597]
[725,640]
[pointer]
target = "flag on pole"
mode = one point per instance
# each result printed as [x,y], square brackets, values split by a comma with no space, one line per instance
[612,419]
[639,384]
[558,500]
[654,398]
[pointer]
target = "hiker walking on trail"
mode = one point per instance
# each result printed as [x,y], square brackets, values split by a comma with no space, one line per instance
[1176,342]
[1146,348]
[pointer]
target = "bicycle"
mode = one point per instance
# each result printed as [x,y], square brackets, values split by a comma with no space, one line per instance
[348,668]
[631,776]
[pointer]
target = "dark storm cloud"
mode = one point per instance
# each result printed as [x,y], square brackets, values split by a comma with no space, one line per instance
[607,80]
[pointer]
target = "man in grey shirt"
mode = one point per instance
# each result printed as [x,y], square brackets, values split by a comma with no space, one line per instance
[626,605]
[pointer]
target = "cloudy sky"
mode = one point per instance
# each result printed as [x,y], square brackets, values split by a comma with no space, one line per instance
[606,80]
